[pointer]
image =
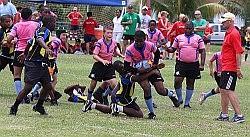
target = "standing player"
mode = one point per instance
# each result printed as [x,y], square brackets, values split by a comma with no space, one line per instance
[36,69]
[7,51]
[74,17]
[189,46]
[154,35]
[216,73]
[141,52]
[23,30]
[247,47]
[102,69]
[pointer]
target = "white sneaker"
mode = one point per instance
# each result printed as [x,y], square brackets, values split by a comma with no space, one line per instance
[114,109]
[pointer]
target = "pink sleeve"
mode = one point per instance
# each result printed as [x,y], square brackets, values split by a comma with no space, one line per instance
[97,48]
[13,31]
[201,43]
[128,56]
[161,36]
[176,43]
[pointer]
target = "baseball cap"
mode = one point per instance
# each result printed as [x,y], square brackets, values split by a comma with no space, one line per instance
[130,6]
[182,16]
[75,8]
[144,8]
[227,16]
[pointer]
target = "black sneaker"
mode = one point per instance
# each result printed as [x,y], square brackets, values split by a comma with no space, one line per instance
[98,97]
[151,115]
[39,109]
[13,110]
[57,95]
[87,106]
[155,105]
[175,100]
[187,106]
[26,100]
[237,119]
[54,103]
[220,118]
[105,100]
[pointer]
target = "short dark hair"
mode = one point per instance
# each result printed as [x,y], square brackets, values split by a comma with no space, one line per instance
[4,17]
[48,19]
[190,23]
[19,8]
[26,13]
[152,21]
[117,66]
[140,34]
[119,11]
[89,14]
[42,8]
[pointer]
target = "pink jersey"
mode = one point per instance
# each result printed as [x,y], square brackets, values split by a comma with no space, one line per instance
[188,47]
[23,30]
[135,55]
[55,47]
[218,60]
[105,50]
[154,36]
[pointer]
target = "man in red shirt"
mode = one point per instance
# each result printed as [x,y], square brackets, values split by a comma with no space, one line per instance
[207,36]
[89,25]
[74,17]
[231,69]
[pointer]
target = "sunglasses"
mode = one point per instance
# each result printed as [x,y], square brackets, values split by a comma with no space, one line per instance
[197,14]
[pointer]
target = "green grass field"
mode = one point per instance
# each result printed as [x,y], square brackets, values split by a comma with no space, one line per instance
[68,120]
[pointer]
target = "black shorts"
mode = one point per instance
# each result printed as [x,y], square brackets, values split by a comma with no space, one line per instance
[36,72]
[155,78]
[88,37]
[100,72]
[15,61]
[4,62]
[188,70]
[126,102]
[228,80]
[74,27]
[128,37]
[207,41]
[247,47]
[52,65]
[217,78]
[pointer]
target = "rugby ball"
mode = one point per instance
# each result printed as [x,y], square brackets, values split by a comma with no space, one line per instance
[144,64]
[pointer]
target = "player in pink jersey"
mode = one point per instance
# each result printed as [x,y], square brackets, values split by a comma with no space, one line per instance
[214,72]
[102,69]
[23,31]
[155,35]
[137,52]
[189,46]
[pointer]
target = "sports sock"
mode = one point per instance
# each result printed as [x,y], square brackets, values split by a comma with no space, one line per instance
[36,88]
[246,55]
[18,85]
[179,94]
[170,92]
[16,104]
[189,94]
[209,93]
[93,106]
[149,103]
[89,96]
[120,108]
[107,91]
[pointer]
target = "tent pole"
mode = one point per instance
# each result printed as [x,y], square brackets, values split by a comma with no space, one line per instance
[87,8]
[44,3]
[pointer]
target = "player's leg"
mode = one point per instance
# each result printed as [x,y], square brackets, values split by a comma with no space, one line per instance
[178,87]
[189,91]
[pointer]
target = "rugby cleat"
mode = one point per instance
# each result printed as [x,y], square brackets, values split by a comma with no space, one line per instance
[87,106]
[114,109]
[39,109]
[13,110]
[151,115]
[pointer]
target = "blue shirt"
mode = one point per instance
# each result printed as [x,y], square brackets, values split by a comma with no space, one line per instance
[8,8]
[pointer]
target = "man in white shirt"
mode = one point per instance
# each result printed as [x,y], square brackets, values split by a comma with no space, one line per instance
[144,18]
[118,28]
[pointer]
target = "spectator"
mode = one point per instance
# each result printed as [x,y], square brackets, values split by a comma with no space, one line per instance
[199,24]
[7,8]
[17,17]
[207,36]
[77,49]
[144,18]
[74,17]
[129,22]
[118,29]
[89,26]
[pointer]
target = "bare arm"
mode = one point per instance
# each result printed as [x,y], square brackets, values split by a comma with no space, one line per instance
[210,65]
[238,62]
[203,58]
[138,78]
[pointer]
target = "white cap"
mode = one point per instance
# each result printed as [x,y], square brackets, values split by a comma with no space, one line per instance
[182,16]
[75,8]
[144,8]
[227,16]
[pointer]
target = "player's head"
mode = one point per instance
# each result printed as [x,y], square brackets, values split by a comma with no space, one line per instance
[164,14]
[89,14]
[140,37]
[44,10]
[6,21]
[119,67]
[49,22]
[189,28]
[108,32]
[19,8]
[152,24]
[26,13]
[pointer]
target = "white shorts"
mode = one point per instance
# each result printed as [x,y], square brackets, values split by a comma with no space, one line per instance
[117,36]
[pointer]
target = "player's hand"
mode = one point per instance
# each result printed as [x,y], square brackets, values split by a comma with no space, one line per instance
[105,62]
[156,72]
[49,51]
[21,58]
[239,74]
[161,65]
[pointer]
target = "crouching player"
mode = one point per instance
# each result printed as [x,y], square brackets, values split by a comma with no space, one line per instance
[122,95]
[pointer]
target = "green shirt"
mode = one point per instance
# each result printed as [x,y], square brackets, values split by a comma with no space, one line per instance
[129,29]
[202,22]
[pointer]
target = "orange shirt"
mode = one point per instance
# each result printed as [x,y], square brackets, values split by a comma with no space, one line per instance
[231,46]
